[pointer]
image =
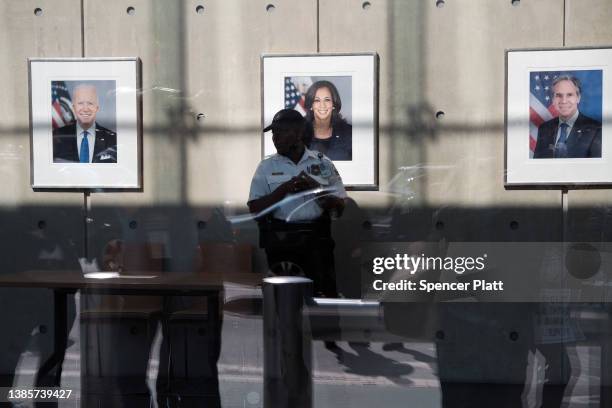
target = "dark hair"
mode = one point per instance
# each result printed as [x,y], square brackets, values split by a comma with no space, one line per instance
[310,96]
[569,78]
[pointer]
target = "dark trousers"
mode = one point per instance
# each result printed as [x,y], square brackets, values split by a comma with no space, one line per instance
[308,246]
[317,264]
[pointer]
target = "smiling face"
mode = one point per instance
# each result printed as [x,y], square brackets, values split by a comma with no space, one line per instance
[566,98]
[85,104]
[322,105]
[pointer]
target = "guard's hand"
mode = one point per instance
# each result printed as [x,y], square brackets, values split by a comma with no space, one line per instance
[301,182]
[307,182]
[332,204]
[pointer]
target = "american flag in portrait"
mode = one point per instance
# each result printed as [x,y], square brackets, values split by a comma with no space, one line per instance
[540,103]
[295,92]
[61,105]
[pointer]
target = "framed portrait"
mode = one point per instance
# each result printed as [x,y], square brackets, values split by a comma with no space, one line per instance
[557,117]
[85,123]
[337,94]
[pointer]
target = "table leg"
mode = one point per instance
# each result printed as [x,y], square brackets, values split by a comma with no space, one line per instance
[214,318]
[606,360]
[60,306]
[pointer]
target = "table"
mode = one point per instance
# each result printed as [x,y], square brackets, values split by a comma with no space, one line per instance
[64,283]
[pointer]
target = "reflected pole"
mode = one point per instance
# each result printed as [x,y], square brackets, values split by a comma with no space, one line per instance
[287,343]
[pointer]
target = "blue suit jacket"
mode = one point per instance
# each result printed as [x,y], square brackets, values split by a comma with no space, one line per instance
[583,141]
[65,146]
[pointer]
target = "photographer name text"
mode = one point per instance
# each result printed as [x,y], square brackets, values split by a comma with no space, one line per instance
[424,285]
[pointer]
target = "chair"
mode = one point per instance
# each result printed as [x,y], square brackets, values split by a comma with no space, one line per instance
[117,333]
[193,339]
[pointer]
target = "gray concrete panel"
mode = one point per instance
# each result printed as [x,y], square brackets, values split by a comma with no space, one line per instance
[209,66]
[465,79]
[428,56]
[225,45]
[587,23]
[147,30]
[347,26]
[154,32]
[40,230]
[446,59]
[209,69]
[55,33]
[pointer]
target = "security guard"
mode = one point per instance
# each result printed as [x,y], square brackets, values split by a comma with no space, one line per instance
[297,189]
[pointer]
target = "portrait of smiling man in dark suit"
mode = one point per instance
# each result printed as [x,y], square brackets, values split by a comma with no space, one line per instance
[85,140]
[571,134]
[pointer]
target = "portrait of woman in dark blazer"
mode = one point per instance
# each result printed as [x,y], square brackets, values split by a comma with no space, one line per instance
[327,131]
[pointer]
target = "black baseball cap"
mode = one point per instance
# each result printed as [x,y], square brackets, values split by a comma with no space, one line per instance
[286,118]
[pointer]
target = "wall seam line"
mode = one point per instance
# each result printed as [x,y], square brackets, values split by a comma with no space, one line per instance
[564,19]
[83,28]
[318,26]
[86,198]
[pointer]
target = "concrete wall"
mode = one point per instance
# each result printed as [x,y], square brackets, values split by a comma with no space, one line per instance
[432,59]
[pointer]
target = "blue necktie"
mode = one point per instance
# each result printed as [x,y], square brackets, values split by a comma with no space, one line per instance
[561,147]
[84,153]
